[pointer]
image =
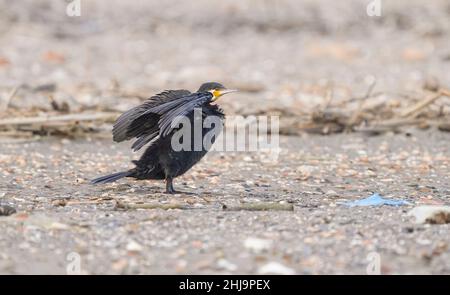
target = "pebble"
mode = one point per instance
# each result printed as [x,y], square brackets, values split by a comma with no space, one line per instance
[120,265]
[226,265]
[7,210]
[276,269]
[59,203]
[58,226]
[257,245]
[331,193]
[431,214]
[133,246]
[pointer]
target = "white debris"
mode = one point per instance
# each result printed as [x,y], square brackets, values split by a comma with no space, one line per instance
[58,225]
[257,245]
[431,214]
[133,246]
[276,269]
[226,265]
[39,221]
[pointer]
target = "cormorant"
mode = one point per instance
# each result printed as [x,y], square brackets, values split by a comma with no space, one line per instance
[153,123]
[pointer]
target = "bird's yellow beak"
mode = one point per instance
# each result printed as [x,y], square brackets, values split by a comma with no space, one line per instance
[219,92]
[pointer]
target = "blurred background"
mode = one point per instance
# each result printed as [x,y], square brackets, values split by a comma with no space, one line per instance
[293,58]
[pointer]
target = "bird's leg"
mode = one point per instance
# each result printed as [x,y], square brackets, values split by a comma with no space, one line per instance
[169,186]
[171,190]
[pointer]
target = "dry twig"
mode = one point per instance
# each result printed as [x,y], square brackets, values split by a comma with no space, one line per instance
[260,206]
[413,111]
[357,114]
[9,98]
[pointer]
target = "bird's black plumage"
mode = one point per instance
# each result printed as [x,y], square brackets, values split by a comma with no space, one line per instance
[154,123]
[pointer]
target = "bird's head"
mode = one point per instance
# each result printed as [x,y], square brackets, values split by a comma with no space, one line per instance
[216,89]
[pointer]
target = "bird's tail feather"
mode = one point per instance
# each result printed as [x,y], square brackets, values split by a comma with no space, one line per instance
[111,177]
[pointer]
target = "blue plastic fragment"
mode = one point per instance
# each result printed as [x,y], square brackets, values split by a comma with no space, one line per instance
[376,200]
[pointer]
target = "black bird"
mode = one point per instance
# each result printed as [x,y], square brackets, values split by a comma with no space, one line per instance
[155,123]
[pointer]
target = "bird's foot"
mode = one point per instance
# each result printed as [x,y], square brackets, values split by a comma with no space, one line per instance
[176,192]
[171,190]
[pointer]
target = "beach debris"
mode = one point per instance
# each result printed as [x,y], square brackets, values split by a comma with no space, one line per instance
[431,214]
[375,200]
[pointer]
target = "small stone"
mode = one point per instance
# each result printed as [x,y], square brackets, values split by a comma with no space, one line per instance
[120,265]
[181,266]
[444,127]
[59,203]
[431,214]
[423,242]
[58,226]
[133,246]
[276,269]
[257,245]
[331,193]
[226,265]
[431,84]
[248,159]
[7,210]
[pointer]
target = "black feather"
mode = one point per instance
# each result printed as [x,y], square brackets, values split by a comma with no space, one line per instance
[171,115]
[136,122]
[112,177]
[143,140]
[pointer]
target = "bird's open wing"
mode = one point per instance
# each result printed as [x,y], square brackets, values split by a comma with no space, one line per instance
[140,123]
[171,113]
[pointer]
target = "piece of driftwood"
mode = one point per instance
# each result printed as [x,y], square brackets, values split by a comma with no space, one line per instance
[322,129]
[412,111]
[420,105]
[399,122]
[260,206]
[389,125]
[133,206]
[59,118]
[7,138]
